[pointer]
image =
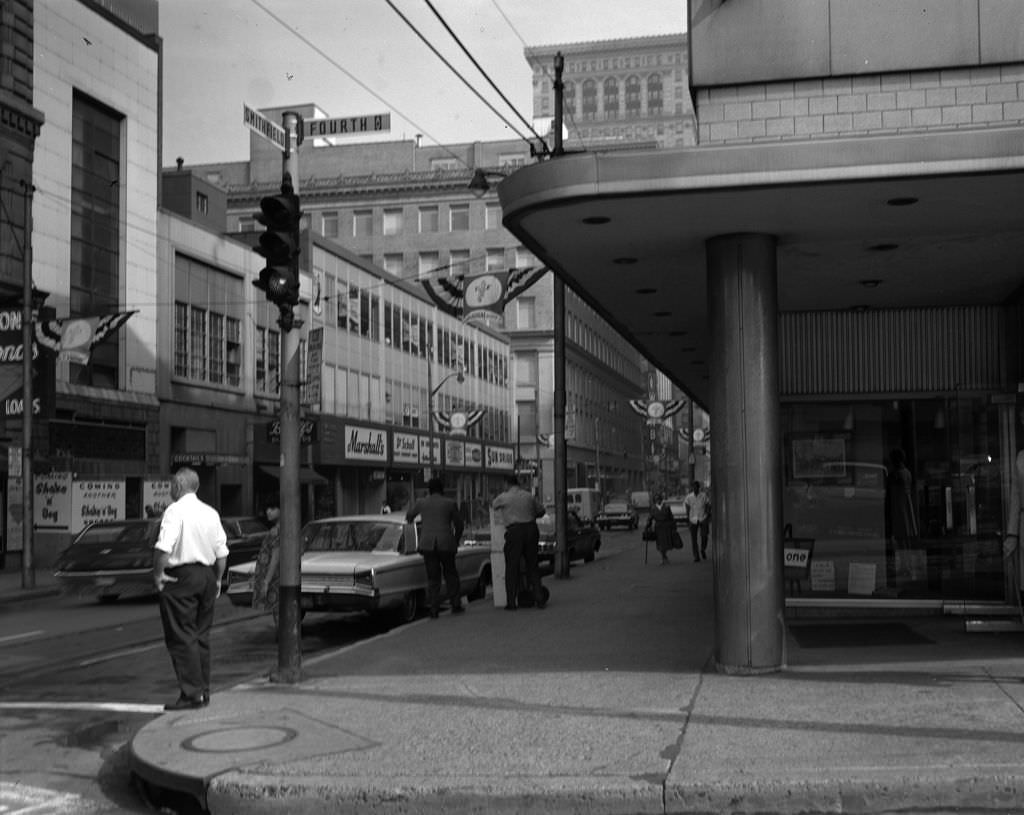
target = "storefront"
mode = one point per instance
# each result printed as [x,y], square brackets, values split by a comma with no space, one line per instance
[866,535]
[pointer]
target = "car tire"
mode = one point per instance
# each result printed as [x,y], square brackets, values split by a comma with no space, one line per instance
[409,608]
[589,556]
[479,591]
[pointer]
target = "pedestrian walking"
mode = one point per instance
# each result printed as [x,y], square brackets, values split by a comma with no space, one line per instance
[518,511]
[189,559]
[663,523]
[441,528]
[698,513]
[267,574]
[901,511]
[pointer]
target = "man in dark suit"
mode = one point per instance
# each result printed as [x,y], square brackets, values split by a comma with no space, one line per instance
[440,530]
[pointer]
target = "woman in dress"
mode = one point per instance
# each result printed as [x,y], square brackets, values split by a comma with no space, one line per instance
[664,525]
[267,573]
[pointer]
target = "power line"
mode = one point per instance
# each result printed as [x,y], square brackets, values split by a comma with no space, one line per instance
[484,73]
[315,48]
[455,71]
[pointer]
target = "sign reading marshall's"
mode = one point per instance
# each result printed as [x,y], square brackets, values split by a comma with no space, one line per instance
[365,444]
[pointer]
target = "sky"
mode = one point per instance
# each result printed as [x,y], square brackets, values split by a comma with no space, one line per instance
[358,57]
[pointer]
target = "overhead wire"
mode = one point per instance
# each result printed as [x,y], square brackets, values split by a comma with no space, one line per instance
[314,47]
[484,73]
[455,71]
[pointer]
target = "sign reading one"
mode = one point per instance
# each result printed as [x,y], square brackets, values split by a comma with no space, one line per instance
[346,126]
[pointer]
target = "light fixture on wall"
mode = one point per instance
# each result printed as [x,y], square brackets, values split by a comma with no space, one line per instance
[940,419]
[848,420]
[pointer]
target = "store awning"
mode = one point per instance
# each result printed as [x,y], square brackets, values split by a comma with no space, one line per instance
[307,475]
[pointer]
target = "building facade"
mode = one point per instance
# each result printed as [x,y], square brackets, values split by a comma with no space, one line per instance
[839,251]
[407,208]
[618,92]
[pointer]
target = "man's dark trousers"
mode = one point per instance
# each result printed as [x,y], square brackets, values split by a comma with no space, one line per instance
[522,549]
[702,528]
[438,562]
[186,610]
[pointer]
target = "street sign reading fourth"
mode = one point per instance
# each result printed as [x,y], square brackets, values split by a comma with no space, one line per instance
[347,126]
[259,123]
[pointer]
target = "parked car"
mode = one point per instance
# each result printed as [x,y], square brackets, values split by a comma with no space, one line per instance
[367,563]
[677,504]
[109,559]
[245,535]
[583,539]
[618,512]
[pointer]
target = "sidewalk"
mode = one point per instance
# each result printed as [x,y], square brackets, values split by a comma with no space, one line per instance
[606,702]
[12,591]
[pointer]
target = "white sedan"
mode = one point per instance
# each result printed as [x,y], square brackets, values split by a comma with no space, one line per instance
[366,563]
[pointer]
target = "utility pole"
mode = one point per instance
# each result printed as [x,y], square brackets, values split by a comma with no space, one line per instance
[561,566]
[279,279]
[28,566]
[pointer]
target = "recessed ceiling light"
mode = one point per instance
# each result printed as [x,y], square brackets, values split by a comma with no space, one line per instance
[906,201]
[883,247]
[595,220]
[871,283]
[624,261]
[646,291]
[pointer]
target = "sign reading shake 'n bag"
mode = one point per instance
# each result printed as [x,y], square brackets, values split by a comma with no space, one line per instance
[93,501]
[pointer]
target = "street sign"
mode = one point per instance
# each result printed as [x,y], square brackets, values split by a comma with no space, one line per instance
[346,126]
[260,124]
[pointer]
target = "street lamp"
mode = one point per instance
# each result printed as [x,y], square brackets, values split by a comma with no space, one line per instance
[479,185]
[460,377]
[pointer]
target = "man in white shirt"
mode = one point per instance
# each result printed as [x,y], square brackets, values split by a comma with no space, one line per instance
[189,560]
[698,511]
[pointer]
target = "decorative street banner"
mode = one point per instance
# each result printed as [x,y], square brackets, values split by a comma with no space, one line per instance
[656,410]
[458,422]
[481,297]
[93,501]
[74,338]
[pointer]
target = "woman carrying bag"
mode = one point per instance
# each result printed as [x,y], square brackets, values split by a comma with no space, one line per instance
[663,524]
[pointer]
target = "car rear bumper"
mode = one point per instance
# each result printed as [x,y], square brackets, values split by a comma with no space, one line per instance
[129,583]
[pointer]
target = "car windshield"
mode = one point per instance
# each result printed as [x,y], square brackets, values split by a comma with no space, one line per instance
[353,536]
[128,533]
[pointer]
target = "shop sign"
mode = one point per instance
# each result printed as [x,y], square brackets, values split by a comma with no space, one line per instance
[207,460]
[474,454]
[425,443]
[454,453]
[365,444]
[405,448]
[307,431]
[156,497]
[499,458]
[93,501]
[51,504]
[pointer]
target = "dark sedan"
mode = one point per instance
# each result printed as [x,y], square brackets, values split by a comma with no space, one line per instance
[245,535]
[110,559]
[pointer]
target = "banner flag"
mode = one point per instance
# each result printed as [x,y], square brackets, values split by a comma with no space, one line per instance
[74,338]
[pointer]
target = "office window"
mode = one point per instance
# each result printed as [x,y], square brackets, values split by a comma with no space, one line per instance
[362,223]
[268,360]
[444,164]
[526,369]
[569,98]
[510,161]
[202,203]
[394,264]
[495,260]
[526,312]
[429,263]
[95,212]
[428,219]
[492,216]
[329,221]
[611,98]
[394,221]
[458,262]
[590,99]
[247,223]
[458,215]
[633,91]
[207,337]
[524,258]
[654,94]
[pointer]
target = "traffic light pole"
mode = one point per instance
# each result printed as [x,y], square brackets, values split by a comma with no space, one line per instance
[289,637]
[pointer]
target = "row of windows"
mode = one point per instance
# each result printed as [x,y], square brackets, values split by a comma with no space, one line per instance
[389,221]
[631,101]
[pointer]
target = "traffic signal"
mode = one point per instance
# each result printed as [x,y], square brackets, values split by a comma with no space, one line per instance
[279,244]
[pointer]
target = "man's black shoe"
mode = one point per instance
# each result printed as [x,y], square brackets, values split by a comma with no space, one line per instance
[184,703]
[205,699]
[433,614]
[510,607]
[458,610]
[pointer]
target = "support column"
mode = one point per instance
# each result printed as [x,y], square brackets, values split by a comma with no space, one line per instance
[746,481]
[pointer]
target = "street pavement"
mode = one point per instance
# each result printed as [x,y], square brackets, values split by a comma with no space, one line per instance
[607,701]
